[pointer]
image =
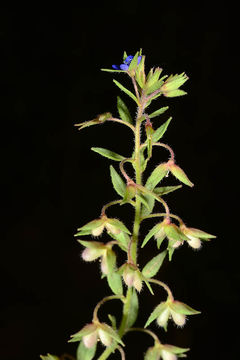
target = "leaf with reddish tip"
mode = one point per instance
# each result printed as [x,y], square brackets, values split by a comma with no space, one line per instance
[180,174]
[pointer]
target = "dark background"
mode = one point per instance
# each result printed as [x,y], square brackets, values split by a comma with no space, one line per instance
[52,183]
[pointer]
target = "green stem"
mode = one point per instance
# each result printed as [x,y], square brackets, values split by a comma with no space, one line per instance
[136,226]
[149,332]
[111,297]
[163,215]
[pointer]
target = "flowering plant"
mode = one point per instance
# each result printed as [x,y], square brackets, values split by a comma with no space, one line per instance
[170,232]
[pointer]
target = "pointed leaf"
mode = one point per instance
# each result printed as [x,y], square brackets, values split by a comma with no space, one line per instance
[158,134]
[92,244]
[117,182]
[123,111]
[170,252]
[156,313]
[134,62]
[175,349]
[152,267]
[158,112]
[111,261]
[115,283]
[108,153]
[119,225]
[113,321]
[149,286]
[156,176]
[175,93]
[180,174]
[112,70]
[109,330]
[151,233]
[86,330]
[200,234]
[129,93]
[84,353]
[166,189]
[49,357]
[143,200]
[131,310]
[172,232]
[182,308]
[146,210]
[123,239]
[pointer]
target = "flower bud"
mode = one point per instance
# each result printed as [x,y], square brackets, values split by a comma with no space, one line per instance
[105,338]
[91,254]
[178,318]
[112,229]
[128,276]
[177,244]
[166,355]
[90,340]
[162,320]
[132,277]
[104,265]
[194,242]
[98,231]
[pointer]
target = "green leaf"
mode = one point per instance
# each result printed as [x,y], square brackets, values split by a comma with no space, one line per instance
[156,176]
[117,182]
[92,244]
[151,233]
[158,112]
[84,353]
[131,310]
[112,333]
[175,349]
[134,62]
[129,93]
[158,134]
[157,85]
[200,234]
[111,260]
[123,239]
[108,153]
[123,111]
[153,266]
[49,357]
[143,200]
[175,93]
[115,283]
[113,321]
[149,286]
[166,189]
[86,330]
[182,308]
[180,175]
[156,313]
[173,232]
[89,227]
[119,225]
[146,210]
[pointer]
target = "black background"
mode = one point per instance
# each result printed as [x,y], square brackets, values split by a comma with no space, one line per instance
[52,183]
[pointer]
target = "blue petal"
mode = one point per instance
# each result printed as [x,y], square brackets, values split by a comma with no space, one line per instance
[139,59]
[124,67]
[128,59]
[116,67]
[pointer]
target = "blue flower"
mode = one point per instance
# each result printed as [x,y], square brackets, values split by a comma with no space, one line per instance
[126,63]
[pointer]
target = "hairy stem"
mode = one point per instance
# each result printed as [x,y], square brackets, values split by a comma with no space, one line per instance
[137,220]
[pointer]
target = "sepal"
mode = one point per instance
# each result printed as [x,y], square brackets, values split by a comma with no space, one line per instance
[98,120]
[49,357]
[170,88]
